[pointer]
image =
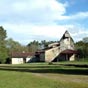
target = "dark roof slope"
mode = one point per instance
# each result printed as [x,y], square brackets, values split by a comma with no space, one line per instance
[21,54]
[68,51]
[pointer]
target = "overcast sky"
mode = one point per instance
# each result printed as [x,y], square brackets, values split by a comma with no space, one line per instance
[28,20]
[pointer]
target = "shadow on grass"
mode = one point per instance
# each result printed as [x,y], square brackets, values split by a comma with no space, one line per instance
[47,66]
[76,65]
[61,70]
[36,66]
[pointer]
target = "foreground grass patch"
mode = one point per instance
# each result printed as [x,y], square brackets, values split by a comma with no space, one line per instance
[42,75]
[32,80]
[25,80]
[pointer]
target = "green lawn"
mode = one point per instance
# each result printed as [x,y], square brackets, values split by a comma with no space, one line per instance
[42,75]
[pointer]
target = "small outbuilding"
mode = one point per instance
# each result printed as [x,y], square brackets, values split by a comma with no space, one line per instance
[21,57]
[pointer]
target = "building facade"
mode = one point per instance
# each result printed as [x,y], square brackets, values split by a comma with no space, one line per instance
[63,50]
[60,51]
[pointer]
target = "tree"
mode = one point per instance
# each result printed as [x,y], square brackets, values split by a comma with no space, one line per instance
[3,34]
[46,43]
[3,49]
[33,46]
[82,48]
[14,46]
[85,40]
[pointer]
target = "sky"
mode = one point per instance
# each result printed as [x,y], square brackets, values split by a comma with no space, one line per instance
[28,20]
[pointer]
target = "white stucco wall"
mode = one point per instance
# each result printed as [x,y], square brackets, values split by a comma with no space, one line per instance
[28,59]
[72,58]
[17,60]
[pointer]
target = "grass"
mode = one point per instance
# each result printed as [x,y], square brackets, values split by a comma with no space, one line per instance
[42,75]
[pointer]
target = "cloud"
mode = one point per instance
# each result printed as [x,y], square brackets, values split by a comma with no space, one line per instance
[79,15]
[36,30]
[31,19]
[76,16]
[32,11]
[78,32]
[24,33]
[28,20]
[36,11]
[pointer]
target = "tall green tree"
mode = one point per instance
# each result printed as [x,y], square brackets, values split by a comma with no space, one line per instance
[3,49]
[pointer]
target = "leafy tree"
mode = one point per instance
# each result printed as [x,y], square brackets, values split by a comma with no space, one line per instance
[46,43]
[82,48]
[85,40]
[14,46]
[3,49]
[3,34]
[33,46]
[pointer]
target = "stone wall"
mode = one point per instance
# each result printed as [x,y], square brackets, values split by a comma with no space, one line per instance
[51,54]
